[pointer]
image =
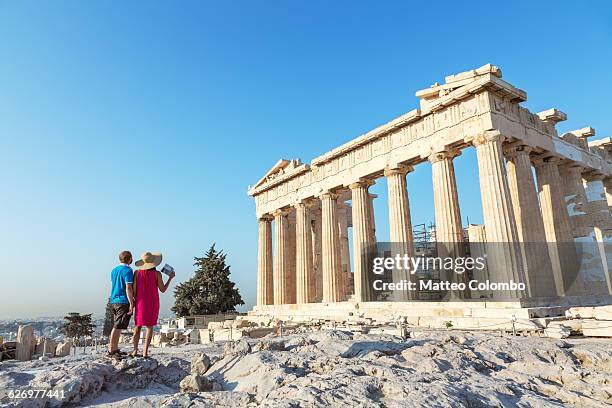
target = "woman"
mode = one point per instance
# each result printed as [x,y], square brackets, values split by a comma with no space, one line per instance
[147,281]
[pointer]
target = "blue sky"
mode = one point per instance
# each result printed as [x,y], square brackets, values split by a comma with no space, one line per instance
[139,125]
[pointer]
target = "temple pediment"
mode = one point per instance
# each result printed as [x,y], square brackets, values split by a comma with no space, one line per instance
[282,168]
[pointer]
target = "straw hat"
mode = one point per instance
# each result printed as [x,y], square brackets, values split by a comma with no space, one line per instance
[149,260]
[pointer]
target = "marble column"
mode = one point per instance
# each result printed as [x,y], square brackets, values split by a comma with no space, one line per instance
[372,197]
[363,238]
[317,250]
[608,187]
[505,261]
[281,260]
[400,226]
[557,224]
[589,263]
[574,196]
[304,255]
[265,291]
[529,222]
[449,233]
[332,272]
[600,219]
[290,275]
[477,238]
[343,220]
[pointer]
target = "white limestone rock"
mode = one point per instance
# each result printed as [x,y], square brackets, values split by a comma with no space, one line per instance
[200,364]
[339,369]
[236,348]
[63,349]
[558,332]
[195,383]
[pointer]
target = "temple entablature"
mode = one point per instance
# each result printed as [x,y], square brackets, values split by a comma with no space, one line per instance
[450,117]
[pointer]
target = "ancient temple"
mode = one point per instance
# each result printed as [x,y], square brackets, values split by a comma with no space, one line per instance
[307,209]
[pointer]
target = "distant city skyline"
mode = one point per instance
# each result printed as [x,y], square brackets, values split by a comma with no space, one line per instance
[140,125]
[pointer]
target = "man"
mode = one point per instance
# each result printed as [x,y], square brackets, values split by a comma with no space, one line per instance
[122,300]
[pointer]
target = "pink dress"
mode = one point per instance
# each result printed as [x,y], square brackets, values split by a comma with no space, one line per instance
[147,298]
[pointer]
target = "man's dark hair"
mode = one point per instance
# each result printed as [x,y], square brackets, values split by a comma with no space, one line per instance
[125,257]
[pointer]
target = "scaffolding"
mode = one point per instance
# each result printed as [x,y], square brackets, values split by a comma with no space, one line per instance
[424,243]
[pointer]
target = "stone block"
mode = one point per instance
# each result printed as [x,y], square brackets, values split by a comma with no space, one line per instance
[63,349]
[259,332]
[204,336]
[581,312]
[46,347]
[597,328]
[25,339]
[215,325]
[229,334]
[575,325]
[602,313]
[557,332]
[156,341]
[501,313]
[240,323]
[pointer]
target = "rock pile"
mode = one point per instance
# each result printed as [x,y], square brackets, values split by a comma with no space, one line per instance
[87,379]
[340,368]
[336,368]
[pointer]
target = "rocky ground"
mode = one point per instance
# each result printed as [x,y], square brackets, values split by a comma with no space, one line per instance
[334,368]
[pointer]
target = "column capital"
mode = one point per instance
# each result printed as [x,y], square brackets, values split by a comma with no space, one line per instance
[571,166]
[402,169]
[593,175]
[488,136]
[517,149]
[328,194]
[265,217]
[306,202]
[281,212]
[448,153]
[362,183]
[542,160]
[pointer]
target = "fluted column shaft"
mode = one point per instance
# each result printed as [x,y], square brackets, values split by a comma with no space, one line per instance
[608,187]
[477,238]
[446,200]
[505,261]
[304,254]
[343,215]
[529,223]
[556,222]
[574,195]
[291,260]
[400,226]
[600,219]
[596,200]
[363,238]
[449,233]
[332,264]
[265,290]
[281,261]
[317,252]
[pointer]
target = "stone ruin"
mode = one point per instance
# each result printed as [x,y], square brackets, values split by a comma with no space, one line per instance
[304,208]
[27,346]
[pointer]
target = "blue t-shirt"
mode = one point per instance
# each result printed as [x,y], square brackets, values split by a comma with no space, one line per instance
[120,276]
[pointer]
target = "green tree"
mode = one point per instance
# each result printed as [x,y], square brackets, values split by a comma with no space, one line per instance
[210,291]
[77,326]
[108,320]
